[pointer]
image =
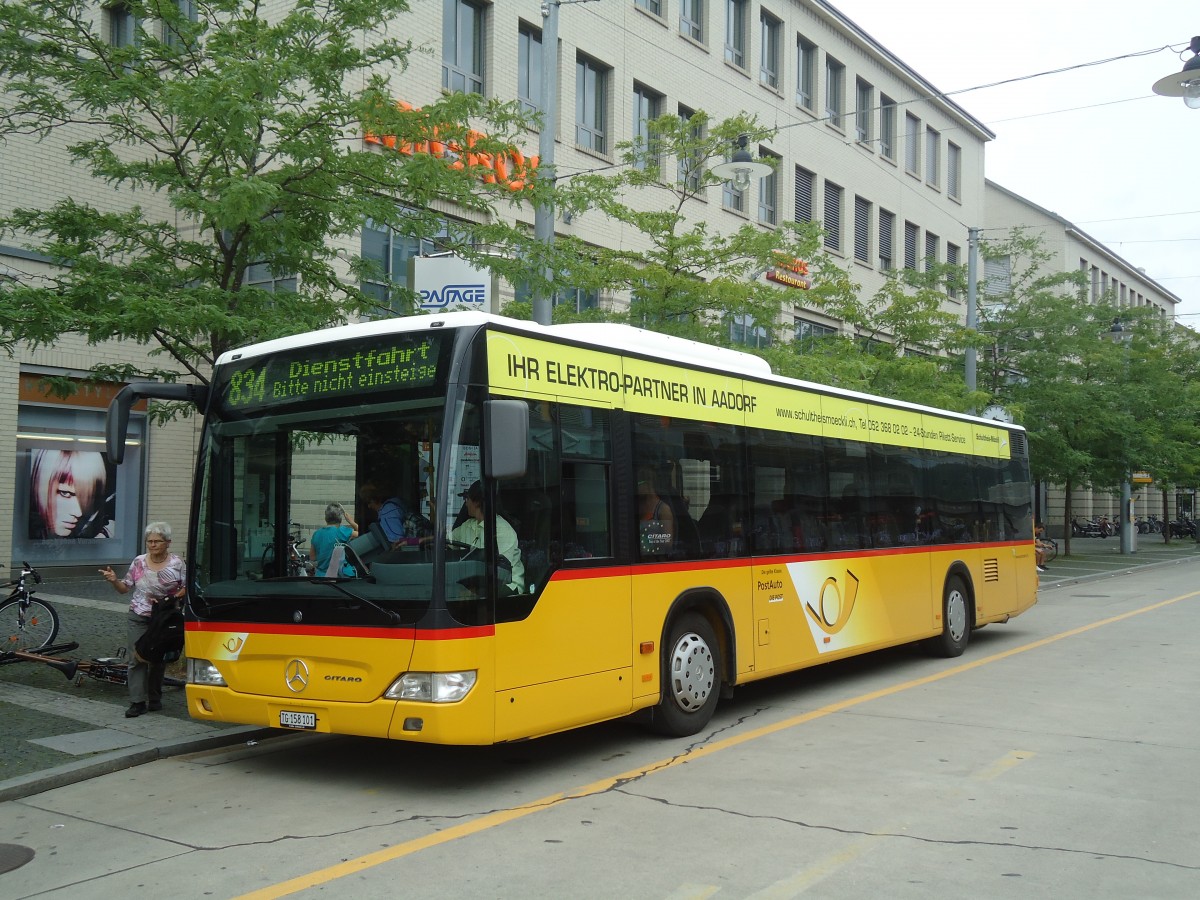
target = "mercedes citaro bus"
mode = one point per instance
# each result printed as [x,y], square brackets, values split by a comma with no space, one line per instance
[654,522]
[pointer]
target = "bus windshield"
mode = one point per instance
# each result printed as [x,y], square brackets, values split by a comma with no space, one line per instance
[295,507]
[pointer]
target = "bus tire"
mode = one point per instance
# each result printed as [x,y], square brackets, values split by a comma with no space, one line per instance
[956,620]
[691,677]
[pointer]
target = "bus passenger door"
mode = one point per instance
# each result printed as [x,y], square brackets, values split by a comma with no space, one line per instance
[564,647]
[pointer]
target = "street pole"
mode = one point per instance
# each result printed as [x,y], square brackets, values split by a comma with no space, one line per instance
[1128,543]
[543,220]
[972,293]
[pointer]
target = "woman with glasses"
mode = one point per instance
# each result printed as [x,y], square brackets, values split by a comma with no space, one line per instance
[156,576]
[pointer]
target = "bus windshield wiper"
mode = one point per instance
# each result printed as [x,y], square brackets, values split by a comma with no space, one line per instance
[391,615]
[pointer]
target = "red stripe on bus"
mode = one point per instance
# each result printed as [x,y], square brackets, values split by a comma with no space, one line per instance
[393,634]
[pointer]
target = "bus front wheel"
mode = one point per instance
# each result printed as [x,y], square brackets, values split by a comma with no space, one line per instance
[956,620]
[691,677]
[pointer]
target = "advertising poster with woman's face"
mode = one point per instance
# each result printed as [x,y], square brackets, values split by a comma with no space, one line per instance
[72,494]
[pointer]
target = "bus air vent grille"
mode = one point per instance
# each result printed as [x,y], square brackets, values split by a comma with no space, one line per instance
[1017,443]
[991,570]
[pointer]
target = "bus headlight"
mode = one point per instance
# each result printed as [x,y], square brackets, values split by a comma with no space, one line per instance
[431,687]
[201,671]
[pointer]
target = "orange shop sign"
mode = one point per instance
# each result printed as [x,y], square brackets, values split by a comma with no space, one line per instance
[790,272]
[511,168]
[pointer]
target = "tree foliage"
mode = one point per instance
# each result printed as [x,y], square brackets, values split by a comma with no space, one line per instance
[234,147]
[1098,400]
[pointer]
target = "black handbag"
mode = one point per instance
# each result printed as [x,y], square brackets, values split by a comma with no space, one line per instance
[163,638]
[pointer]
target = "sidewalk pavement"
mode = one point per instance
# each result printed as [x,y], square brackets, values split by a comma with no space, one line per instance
[1093,559]
[120,743]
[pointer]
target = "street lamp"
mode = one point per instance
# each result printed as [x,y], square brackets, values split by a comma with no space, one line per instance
[1118,335]
[1185,84]
[742,168]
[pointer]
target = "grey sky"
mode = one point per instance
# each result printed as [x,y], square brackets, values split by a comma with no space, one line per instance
[1094,145]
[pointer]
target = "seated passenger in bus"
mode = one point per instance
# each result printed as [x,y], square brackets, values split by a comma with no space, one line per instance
[471,532]
[656,520]
[401,524]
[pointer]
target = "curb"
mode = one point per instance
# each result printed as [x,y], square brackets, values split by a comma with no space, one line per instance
[116,760]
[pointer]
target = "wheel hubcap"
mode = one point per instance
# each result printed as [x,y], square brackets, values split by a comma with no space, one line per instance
[956,614]
[693,673]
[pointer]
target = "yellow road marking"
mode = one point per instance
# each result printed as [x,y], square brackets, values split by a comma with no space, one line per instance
[350,867]
[1003,764]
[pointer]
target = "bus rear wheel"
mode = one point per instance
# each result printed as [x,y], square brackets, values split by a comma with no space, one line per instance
[691,677]
[956,620]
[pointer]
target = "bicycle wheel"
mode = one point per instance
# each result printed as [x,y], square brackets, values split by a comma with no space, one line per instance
[1051,551]
[28,628]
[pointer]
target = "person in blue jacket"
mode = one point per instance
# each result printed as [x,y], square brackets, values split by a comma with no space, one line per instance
[334,533]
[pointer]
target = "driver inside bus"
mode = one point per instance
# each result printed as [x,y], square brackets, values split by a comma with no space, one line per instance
[471,533]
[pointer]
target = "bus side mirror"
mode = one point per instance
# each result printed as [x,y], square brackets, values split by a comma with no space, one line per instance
[117,424]
[507,431]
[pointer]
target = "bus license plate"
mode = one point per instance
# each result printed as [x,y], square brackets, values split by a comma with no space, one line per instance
[297,720]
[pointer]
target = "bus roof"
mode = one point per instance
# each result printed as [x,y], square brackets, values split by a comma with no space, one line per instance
[602,335]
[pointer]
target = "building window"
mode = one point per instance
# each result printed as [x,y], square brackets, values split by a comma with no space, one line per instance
[952,252]
[933,157]
[997,276]
[887,239]
[591,84]
[953,170]
[887,126]
[259,275]
[931,250]
[912,144]
[863,110]
[691,19]
[389,251]
[70,505]
[805,180]
[833,217]
[745,331]
[122,25]
[768,193]
[529,68]
[732,198]
[647,105]
[806,73]
[911,233]
[768,70]
[809,334]
[187,13]
[835,90]
[862,230]
[735,32]
[578,299]
[462,47]
[654,7]
[691,167]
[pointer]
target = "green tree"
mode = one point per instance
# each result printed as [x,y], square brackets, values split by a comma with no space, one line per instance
[233,146]
[904,343]
[684,276]
[1093,407]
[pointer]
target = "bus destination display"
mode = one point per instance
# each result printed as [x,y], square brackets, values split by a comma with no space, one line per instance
[325,372]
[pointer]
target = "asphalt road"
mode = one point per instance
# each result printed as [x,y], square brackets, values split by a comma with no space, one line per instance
[1056,758]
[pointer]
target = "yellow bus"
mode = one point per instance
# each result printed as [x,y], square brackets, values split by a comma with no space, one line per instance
[562,525]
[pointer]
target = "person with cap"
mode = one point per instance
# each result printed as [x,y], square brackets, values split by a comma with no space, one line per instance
[471,532]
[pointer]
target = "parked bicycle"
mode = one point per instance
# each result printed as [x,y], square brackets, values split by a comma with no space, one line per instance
[113,669]
[298,564]
[27,622]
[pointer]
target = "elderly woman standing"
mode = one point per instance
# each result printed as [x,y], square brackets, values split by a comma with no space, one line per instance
[154,577]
